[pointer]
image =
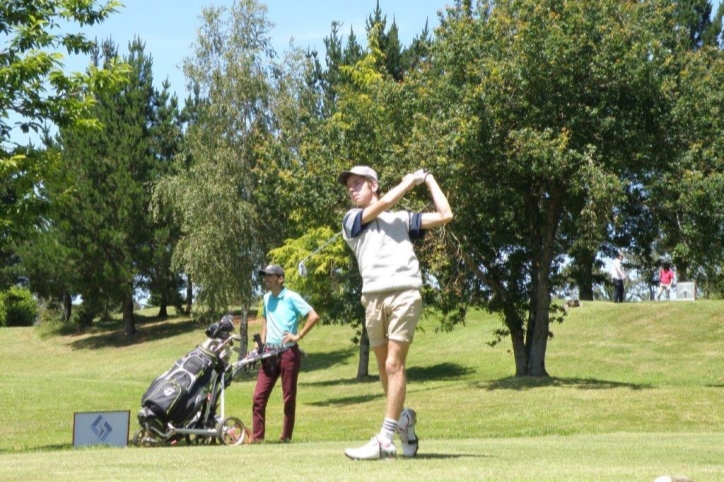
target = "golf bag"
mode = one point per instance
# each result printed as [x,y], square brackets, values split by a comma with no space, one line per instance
[178,395]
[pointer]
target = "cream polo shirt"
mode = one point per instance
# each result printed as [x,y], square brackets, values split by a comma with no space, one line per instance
[384,251]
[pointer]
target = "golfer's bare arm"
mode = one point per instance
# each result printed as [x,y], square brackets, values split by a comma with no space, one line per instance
[443,214]
[263,331]
[312,319]
[390,199]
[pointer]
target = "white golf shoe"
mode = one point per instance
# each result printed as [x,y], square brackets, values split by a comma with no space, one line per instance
[406,430]
[375,449]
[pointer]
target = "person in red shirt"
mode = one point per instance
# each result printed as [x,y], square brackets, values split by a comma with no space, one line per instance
[666,279]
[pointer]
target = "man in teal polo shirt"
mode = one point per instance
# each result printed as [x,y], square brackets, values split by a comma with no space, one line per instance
[282,311]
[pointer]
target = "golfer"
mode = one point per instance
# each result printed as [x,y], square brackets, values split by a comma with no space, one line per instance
[391,282]
[282,311]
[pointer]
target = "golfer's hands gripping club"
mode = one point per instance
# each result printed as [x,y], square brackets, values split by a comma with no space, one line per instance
[419,176]
[416,178]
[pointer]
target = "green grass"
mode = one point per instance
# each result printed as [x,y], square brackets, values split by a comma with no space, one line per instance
[635,392]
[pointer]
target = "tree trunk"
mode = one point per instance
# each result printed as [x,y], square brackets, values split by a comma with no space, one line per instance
[163,307]
[538,327]
[106,309]
[189,294]
[244,332]
[544,218]
[682,271]
[364,355]
[129,324]
[67,306]
[517,337]
[585,263]
[511,318]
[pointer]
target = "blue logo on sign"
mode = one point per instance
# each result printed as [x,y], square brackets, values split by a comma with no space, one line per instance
[101,428]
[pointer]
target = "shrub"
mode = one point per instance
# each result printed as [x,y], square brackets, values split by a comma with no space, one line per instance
[21,309]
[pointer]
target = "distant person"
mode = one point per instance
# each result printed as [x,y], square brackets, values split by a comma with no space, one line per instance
[282,310]
[653,284]
[666,279]
[618,275]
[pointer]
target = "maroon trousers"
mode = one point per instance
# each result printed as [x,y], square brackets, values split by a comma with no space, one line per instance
[287,366]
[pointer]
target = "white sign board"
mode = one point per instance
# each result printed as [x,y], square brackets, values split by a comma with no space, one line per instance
[686,291]
[101,428]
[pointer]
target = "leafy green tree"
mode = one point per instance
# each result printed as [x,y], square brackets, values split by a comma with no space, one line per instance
[47,264]
[545,115]
[227,190]
[670,213]
[695,17]
[107,218]
[17,307]
[690,194]
[328,79]
[368,125]
[35,92]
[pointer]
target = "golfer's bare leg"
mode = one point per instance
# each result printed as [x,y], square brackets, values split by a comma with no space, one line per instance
[396,378]
[381,356]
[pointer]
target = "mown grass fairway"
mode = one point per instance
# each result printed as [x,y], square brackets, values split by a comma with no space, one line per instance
[635,392]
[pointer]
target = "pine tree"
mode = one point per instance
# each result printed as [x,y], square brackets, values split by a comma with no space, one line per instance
[108,218]
[166,137]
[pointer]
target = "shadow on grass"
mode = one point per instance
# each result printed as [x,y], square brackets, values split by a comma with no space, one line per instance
[336,402]
[148,330]
[44,448]
[441,371]
[342,381]
[320,361]
[528,383]
[450,456]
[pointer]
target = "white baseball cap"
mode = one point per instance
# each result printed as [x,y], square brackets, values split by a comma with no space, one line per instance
[364,171]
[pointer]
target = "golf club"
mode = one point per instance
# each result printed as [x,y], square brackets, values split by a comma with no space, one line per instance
[302,268]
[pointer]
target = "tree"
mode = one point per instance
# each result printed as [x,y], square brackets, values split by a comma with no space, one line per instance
[226,187]
[545,115]
[48,266]
[695,17]
[166,133]
[108,221]
[690,194]
[329,79]
[675,214]
[35,92]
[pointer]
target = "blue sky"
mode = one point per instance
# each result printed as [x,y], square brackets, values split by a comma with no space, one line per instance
[169,27]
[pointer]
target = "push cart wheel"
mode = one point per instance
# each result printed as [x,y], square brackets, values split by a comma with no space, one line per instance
[138,437]
[231,431]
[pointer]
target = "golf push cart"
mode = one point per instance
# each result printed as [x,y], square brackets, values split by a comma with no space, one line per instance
[186,403]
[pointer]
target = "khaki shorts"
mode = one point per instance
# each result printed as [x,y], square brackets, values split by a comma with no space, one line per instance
[392,315]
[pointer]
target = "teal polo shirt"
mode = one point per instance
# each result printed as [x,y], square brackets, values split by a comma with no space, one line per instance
[283,314]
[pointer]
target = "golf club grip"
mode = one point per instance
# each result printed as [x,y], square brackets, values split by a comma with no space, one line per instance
[259,345]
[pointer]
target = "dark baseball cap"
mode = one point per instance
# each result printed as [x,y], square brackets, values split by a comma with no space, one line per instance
[274,269]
